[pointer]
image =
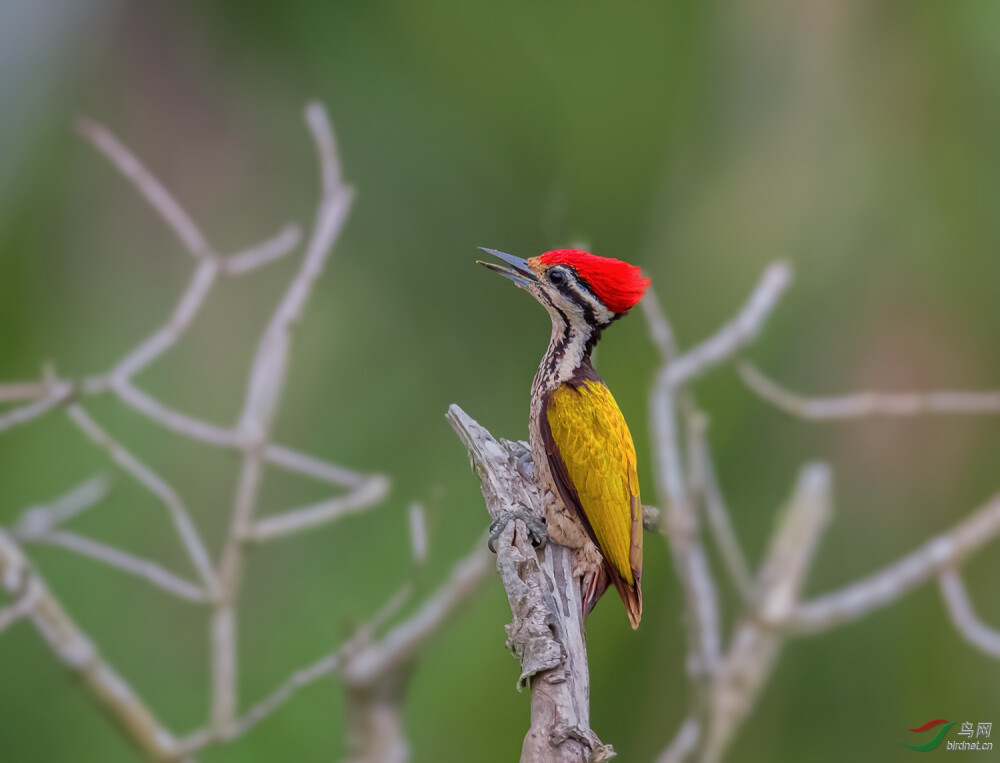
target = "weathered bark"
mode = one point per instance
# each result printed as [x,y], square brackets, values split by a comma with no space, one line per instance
[546,633]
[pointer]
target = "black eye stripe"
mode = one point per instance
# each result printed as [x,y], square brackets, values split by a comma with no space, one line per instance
[575,292]
[578,290]
[573,279]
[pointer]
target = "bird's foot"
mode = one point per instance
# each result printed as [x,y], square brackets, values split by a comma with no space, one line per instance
[587,561]
[585,566]
[536,527]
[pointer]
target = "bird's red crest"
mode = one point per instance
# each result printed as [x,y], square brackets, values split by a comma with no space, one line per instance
[617,284]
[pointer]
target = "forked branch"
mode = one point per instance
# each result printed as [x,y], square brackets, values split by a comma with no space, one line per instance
[363,661]
[727,684]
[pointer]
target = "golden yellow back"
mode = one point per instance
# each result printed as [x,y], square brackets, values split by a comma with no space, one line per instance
[596,447]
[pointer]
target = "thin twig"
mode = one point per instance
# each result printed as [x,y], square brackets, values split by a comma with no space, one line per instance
[186,531]
[39,519]
[660,330]
[20,609]
[671,406]
[753,650]
[13,392]
[224,665]
[180,319]
[211,434]
[175,421]
[706,484]
[310,466]
[418,532]
[266,381]
[401,643]
[940,553]
[866,404]
[684,743]
[250,437]
[152,189]
[678,518]
[77,652]
[123,561]
[375,675]
[732,338]
[22,414]
[974,630]
[299,520]
[187,426]
[264,253]
[325,666]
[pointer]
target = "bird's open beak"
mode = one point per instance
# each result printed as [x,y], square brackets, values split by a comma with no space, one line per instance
[519,272]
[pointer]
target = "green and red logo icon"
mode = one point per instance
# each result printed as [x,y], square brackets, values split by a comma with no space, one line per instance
[938,738]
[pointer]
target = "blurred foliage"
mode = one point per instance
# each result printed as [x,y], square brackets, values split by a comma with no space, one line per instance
[699,140]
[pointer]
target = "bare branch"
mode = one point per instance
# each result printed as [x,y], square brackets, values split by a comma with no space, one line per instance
[324,471]
[151,188]
[670,403]
[267,373]
[323,667]
[267,376]
[187,426]
[732,338]
[418,532]
[172,420]
[886,586]
[679,517]
[39,519]
[706,484]
[264,253]
[684,743]
[212,434]
[123,561]
[680,524]
[754,649]
[146,477]
[20,609]
[376,675]
[660,330]
[865,404]
[974,630]
[57,395]
[794,543]
[294,521]
[166,337]
[13,392]
[402,642]
[225,690]
[332,183]
[78,653]
[251,437]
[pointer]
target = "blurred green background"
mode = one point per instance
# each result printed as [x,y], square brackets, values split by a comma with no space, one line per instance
[700,140]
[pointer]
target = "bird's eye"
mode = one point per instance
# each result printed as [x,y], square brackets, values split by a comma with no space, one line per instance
[557,277]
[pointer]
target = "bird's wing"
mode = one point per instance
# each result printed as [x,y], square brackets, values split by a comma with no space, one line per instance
[592,459]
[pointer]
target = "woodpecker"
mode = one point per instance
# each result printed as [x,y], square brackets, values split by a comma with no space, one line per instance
[582,448]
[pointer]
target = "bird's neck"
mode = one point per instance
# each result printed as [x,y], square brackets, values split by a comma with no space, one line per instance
[569,350]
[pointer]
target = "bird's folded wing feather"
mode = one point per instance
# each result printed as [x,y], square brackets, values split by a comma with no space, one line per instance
[592,458]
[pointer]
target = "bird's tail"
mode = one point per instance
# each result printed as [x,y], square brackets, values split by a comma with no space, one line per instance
[631,594]
[631,597]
